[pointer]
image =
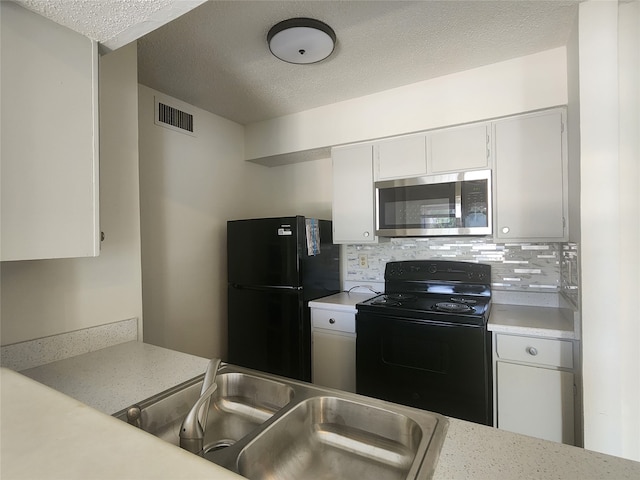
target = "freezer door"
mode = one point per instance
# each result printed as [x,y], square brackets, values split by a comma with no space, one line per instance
[264,251]
[269,330]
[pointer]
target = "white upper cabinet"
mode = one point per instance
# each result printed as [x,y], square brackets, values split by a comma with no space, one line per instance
[353,194]
[459,148]
[531,177]
[401,157]
[49,115]
[446,150]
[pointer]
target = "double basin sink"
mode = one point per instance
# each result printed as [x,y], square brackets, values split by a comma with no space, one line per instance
[262,426]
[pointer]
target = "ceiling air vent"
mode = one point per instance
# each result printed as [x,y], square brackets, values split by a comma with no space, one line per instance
[170,117]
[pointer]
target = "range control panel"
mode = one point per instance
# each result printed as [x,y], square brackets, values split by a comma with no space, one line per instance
[438,270]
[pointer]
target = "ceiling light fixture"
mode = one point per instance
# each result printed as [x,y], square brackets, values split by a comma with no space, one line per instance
[301,40]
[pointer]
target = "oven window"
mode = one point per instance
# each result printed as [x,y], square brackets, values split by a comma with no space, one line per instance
[418,206]
[405,349]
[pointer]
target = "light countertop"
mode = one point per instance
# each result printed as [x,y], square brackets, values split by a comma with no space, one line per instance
[343,301]
[478,452]
[46,434]
[515,319]
[114,378]
[535,321]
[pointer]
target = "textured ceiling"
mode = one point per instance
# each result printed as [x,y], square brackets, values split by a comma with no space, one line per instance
[113,23]
[216,56]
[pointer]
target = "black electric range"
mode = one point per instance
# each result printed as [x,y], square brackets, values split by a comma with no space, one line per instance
[425,343]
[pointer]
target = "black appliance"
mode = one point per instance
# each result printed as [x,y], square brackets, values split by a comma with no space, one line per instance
[275,267]
[425,343]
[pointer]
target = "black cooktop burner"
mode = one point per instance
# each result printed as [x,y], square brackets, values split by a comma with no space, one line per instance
[393,299]
[400,297]
[467,301]
[384,300]
[453,307]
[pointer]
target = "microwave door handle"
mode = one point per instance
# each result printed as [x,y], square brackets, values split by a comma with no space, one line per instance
[458,201]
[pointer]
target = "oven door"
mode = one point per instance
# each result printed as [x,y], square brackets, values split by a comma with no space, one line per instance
[452,204]
[441,367]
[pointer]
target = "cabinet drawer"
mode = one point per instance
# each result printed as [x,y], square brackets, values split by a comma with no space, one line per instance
[333,320]
[540,351]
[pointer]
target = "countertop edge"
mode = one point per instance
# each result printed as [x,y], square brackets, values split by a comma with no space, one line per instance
[342,301]
[531,331]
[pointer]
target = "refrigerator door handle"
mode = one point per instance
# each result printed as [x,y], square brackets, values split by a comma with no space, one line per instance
[264,287]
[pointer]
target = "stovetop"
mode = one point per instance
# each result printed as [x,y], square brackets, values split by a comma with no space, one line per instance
[434,290]
[445,308]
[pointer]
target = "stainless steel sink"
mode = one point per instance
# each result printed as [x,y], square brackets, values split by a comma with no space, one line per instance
[329,437]
[263,426]
[241,403]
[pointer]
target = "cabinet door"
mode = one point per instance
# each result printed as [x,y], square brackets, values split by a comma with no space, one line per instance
[459,148]
[401,157]
[334,360]
[353,195]
[530,177]
[535,401]
[49,139]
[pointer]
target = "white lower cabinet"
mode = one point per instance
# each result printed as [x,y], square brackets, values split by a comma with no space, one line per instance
[333,346]
[534,385]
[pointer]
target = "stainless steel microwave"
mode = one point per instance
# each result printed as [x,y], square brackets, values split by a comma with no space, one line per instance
[437,205]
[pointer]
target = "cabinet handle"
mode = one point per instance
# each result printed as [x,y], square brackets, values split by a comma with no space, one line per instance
[365,234]
[505,229]
[532,351]
[332,321]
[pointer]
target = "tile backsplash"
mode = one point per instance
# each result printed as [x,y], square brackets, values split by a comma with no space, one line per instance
[570,277]
[523,267]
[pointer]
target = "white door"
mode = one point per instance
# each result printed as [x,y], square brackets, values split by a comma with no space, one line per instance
[334,360]
[535,401]
[49,103]
[459,148]
[530,177]
[402,157]
[353,195]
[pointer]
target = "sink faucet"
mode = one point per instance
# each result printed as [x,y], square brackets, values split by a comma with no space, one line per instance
[194,424]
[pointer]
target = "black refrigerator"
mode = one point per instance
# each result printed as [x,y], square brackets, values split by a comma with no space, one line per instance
[275,267]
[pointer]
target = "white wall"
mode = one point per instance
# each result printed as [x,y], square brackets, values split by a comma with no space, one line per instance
[573,132]
[189,187]
[301,189]
[610,216]
[514,86]
[47,297]
[629,99]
